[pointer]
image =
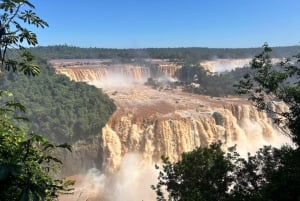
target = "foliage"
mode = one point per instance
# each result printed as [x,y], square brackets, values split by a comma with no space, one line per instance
[61,109]
[192,55]
[267,85]
[281,83]
[220,84]
[15,16]
[26,159]
[270,174]
[202,174]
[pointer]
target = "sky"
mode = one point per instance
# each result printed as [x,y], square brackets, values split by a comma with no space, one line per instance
[169,23]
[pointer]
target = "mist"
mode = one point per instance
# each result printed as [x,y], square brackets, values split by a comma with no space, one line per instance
[222,65]
[115,80]
[135,175]
[131,182]
[251,138]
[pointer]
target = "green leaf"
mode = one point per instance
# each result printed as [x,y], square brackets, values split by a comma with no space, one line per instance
[16,105]
[3,173]
[48,146]
[65,146]
[29,69]
[35,197]
[51,158]
[25,195]
[13,169]
[29,4]
[10,65]
[21,118]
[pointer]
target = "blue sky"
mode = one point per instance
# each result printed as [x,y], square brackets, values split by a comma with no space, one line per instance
[169,23]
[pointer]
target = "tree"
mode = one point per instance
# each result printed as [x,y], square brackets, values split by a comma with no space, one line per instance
[27,160]
[202,174]
[269,83]
[271,174]
[13,32]
[266,86]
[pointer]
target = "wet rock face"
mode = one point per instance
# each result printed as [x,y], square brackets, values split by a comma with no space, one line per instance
[86,154]
[96,70]
[156,123]
[164,122]
[87,73]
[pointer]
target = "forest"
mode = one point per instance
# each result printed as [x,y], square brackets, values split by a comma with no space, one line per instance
[182,54]
[62,110]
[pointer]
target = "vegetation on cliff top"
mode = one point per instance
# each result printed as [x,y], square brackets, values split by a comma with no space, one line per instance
[186,55]
[220,84]
[62,110]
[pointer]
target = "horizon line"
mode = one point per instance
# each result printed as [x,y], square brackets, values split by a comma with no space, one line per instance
[178,47]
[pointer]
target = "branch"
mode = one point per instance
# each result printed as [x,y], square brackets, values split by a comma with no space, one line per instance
[14,15]
[3,56]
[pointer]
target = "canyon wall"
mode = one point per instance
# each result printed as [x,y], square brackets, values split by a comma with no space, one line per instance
[149,123]
[167,122]
[88,74]
[167,70]
[171,123]
[100,70]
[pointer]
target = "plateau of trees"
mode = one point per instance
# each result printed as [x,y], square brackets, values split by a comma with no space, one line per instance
[210,174]
[63,110]
[190,55]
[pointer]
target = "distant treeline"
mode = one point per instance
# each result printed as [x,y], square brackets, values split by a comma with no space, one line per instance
[188,55]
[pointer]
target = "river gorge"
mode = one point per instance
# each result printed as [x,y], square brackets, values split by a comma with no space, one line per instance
[149,123]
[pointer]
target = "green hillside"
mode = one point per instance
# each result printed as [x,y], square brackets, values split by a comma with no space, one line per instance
[61,109]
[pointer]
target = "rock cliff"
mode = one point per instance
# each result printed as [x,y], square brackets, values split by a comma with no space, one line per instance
[166,122]
[149,123]
[156,123]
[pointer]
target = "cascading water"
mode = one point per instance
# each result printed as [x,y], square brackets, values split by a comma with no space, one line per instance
[149,123]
